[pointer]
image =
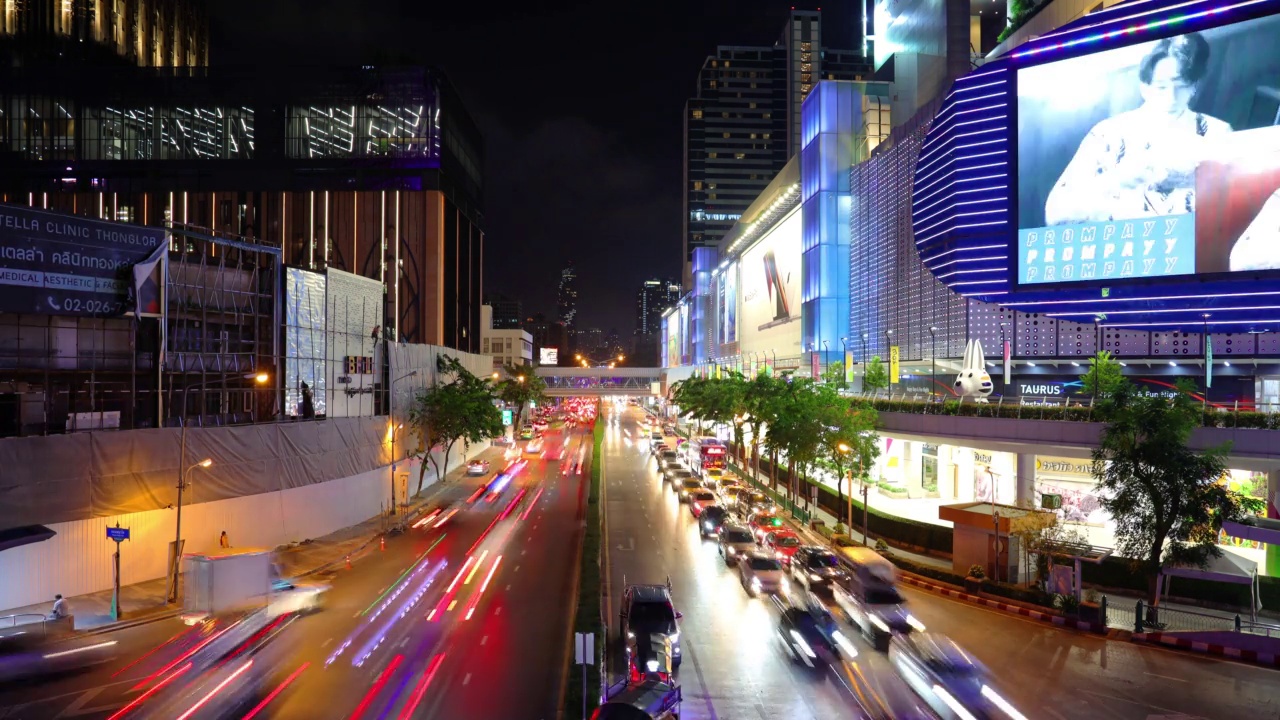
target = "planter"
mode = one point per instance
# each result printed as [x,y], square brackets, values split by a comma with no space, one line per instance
[894,493]
[973,585]
[1092,613]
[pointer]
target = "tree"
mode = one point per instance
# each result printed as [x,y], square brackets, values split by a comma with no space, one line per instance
[461,409]
[1103,377]
[1166,499]
[797,427]
[834,375]
[520,388]
[876,376]
[848,437]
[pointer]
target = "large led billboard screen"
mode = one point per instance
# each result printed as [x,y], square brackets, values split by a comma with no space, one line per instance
[1154,160]
[769,278]
[727,304]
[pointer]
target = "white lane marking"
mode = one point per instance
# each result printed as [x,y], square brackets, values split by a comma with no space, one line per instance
[326,643]
[498,611]
[485,639]
[1165,677]
[517,569]
[509,587]
[358,615]
[403,642]
[466,679]
[522,552]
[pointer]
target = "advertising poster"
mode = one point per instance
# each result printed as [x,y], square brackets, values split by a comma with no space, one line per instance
[895,368]
[683,339]
[548,356]
[1155,160]
[54,264]
[729,305]
[769,274]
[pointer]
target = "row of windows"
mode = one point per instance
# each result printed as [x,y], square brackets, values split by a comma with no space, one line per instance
[729,136]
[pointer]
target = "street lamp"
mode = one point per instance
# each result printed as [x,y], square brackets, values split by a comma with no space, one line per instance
[177,532]
[888,349]
[1097,348]
[391,410]
[933,333]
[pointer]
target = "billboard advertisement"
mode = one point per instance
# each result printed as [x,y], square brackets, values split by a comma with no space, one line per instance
[682,337]
[54,264]
[548,356]
[769,277]
[727,305]
[1154,160]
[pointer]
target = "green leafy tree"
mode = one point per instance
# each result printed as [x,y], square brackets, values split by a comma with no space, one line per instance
[797,428]
[849,440]
[834,375]
[520,388]
[692,396]
[1165,498]
[1104,377]
[761,408]
[461,409]
[876,376]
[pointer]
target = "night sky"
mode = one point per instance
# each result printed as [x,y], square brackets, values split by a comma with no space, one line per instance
[580,104]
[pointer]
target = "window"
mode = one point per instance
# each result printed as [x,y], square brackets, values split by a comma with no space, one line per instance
[697,184]
[739,156]
[752,106]
[697,113]
[484,345]
[726,136]
[711,156]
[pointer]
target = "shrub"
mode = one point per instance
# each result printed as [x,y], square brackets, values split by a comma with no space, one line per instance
[881,545]
[976,572]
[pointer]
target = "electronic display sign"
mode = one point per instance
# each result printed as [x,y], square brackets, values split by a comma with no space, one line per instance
[769,274]
[1154,160]
[548,356]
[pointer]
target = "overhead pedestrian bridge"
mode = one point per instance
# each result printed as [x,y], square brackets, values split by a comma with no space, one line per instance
[599,382]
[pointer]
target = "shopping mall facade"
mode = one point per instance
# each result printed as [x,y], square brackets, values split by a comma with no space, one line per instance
[1100,181]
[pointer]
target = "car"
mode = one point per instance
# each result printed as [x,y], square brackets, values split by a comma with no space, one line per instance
[783,544]
[658,449]
[699,501]
[667,456]
[675,474]
[726,482]
[729,496]
[815,567]
[712,476]
[760,573]
[711,520]
[656,439]
[735,541]
[29,656]
[752,502]
[870,600]
[478,467]
[668,429]
[804,638]
[534,447]
[541,426]
[647,611]
[763,523]
[501,441]
[687,487]
[526,433]
[951,681]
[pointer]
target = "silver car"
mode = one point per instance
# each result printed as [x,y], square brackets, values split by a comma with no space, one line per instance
[761,573]
[735,542]
[951,681]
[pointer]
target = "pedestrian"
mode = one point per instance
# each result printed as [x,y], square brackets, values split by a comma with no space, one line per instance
[308,409]
[223,541]
[60,609]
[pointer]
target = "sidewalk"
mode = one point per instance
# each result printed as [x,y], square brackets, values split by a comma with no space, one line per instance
[148,601]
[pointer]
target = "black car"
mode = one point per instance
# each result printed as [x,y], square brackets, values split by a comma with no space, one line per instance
[713,518]
[805,639]
[647,622]
[815,567]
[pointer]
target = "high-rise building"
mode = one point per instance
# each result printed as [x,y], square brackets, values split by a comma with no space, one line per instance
[508,313]
[548,334]
[743,124]
[590,341]
[568,298]
[652,299]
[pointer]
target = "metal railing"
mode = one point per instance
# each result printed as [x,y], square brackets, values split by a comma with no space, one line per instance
[1141,617]
[13,621]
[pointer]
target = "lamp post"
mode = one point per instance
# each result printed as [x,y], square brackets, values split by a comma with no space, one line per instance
[888,350]
[1208,365]
[1097,348]
[844,450]
[933,334]
[183,481]
[391,410]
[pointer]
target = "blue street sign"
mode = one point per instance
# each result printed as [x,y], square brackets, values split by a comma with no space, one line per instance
[117,533]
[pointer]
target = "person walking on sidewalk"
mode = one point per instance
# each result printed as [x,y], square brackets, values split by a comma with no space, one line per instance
[224,541]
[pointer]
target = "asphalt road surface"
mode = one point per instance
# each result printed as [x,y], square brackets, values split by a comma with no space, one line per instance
[735,669]
[469,620]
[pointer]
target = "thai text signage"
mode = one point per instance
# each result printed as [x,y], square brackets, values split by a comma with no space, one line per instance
[53,264]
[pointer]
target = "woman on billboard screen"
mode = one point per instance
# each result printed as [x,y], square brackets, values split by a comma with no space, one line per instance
[1142,162]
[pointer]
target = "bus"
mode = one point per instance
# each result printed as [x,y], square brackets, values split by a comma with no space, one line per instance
[705,453]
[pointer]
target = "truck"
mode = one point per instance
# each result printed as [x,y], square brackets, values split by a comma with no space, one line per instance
[648,699]
[870,600]
[242,580]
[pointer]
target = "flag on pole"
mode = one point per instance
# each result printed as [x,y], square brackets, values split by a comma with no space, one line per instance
[148,279]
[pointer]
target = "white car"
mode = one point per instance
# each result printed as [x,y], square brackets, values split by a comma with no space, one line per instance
[534,447]
[290,597]
[478,467]
[761,573]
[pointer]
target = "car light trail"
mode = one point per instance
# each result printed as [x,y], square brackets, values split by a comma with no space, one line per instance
[427,518]
[476,567]
[476,495]
[421,689]
[512,505]
[532,502]
[444,600]
[151,652]
[201,703]
[445,518]
[80,649]
[407,606]
[274,693]
[155,689]
[377,688]
[403,574]
[475,599]
[182,657]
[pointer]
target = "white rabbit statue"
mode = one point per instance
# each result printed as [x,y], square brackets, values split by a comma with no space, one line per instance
[973,380]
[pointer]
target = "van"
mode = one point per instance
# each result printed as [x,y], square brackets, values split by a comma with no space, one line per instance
[870,599]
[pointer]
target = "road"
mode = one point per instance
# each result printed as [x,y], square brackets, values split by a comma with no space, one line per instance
[734,668]
[466,621]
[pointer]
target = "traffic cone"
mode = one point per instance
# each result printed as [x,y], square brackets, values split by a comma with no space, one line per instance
[382,542]
[348,562]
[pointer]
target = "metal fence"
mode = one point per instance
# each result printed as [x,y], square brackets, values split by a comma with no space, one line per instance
[1139,616]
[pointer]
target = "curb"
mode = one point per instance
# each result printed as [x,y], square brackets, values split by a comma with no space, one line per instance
[1231,653]
[131,623]
[1045,617]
